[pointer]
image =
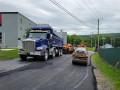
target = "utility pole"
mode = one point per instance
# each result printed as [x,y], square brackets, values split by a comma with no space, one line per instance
[95,43]
[103,38]
[114,42]
[91,39]
[103,42]
[98,36]
[111,40]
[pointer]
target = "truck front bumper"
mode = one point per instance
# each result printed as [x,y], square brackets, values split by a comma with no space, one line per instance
[35,53]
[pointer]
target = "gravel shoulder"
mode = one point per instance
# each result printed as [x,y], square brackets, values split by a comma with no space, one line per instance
[102,82]
[8,65]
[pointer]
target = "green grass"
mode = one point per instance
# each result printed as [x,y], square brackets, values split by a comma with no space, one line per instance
[91,49]
[76,47]
[8,48]
[106,70]
[9,54]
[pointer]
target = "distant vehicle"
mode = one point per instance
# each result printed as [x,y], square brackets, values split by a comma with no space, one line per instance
[107,46]
[82,45]
[68,48]
[80,56]
[42,42]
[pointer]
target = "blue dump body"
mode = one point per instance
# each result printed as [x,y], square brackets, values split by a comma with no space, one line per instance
[54,42]
[41,40]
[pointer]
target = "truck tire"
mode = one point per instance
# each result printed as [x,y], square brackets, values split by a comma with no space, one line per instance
[23,57]
[73,62]
[61,52]
[53,54]
[58,53]
[45,57]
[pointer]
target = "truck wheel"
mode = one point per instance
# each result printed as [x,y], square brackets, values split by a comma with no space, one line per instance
[53,54]
[23,57]
[73,62]
[45,57]
[61,52]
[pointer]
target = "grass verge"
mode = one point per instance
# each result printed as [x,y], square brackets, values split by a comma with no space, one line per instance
[9,54]
[112,76]
[91,49]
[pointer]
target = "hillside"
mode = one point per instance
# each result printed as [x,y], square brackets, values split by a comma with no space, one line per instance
[95,35]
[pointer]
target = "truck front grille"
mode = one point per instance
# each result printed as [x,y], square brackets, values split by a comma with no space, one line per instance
[29,46]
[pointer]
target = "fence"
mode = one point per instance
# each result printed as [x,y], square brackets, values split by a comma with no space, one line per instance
[110,55]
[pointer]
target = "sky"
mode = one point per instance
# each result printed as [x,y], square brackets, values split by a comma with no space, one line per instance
[87,11]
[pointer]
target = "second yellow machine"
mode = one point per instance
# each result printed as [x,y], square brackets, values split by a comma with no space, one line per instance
[68,48]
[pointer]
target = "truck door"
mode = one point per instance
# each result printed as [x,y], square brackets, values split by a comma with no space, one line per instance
[48,40]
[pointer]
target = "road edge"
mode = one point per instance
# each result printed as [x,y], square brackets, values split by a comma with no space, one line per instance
[95,80]
[96,71]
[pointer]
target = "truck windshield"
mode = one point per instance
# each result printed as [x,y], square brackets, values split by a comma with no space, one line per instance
[37,35]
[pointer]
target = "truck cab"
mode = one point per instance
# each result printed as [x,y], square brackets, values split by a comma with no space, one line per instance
[42,42]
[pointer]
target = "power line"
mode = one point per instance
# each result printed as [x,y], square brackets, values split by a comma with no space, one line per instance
[66,11]
[81,7]
[89,8]
[72,15]
[95,9]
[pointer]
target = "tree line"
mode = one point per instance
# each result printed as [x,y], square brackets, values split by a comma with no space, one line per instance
[76,40]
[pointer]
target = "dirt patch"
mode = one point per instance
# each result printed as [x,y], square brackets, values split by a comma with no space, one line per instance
[102,82]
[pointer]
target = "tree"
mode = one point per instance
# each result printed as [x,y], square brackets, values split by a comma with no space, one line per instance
[27,33]
[117,42]
[77,40]
[72,39]
[68,39]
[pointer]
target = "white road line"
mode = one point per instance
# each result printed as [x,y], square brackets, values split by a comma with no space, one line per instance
[35,88]
[63,78]
[82,80]
[84,77]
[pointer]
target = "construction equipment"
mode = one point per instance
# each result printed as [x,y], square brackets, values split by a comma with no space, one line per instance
[80,56]
[68,48]
[82,45]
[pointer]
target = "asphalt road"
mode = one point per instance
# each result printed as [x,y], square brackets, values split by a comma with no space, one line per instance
[54,74]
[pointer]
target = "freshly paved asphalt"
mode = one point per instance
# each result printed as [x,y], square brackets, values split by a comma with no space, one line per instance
[54,74]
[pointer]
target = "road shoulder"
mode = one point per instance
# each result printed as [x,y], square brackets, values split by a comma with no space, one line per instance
[8,65]
[102,82]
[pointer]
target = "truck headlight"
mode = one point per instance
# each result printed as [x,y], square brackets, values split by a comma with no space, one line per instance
[39,48]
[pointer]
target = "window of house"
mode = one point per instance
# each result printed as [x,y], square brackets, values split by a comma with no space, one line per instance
[0,37]
[20,21]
